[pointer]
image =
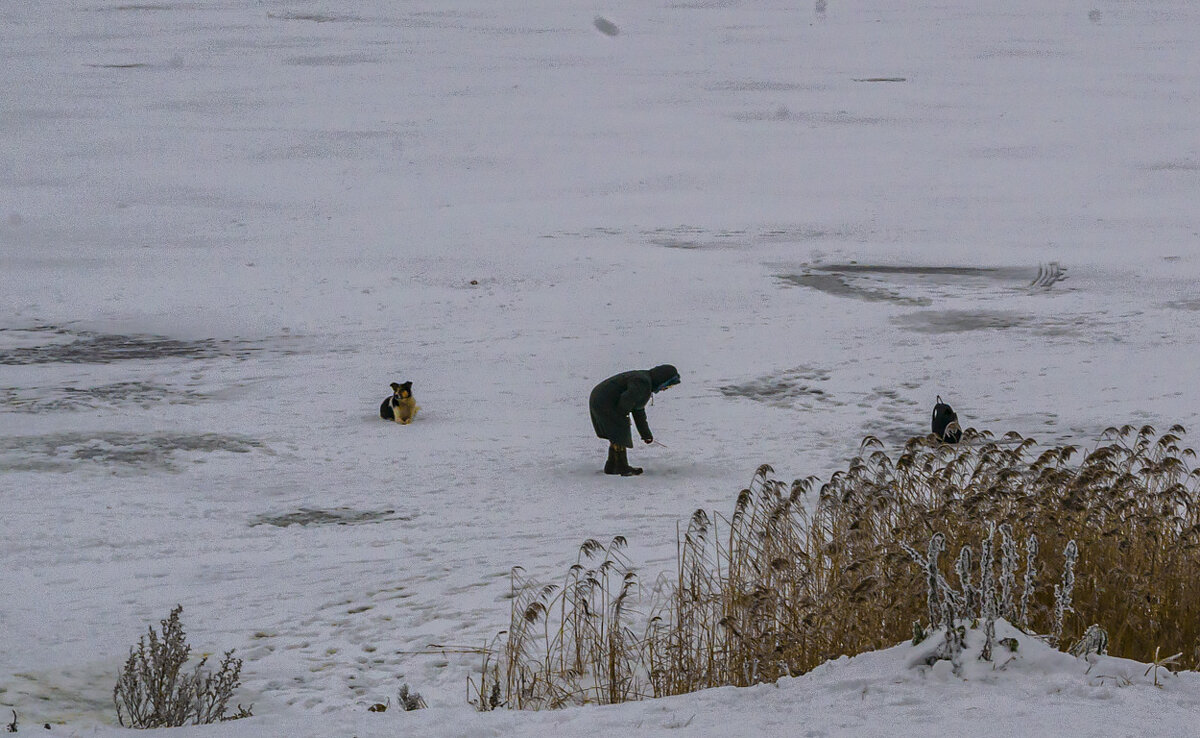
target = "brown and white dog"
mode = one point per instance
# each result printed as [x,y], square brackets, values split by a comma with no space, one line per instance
[400,407]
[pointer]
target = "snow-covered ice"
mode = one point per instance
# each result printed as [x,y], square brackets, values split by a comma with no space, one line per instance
[226,226]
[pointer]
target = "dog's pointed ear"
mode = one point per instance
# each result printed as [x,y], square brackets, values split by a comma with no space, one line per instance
[395,386]
[407,386]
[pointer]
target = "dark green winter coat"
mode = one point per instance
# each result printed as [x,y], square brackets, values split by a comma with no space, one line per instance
[616,398]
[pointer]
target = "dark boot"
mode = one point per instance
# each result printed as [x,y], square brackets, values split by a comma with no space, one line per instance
[610,466]
[623,467]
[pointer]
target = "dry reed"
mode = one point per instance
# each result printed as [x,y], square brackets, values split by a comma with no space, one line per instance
[799,574]
[569,644]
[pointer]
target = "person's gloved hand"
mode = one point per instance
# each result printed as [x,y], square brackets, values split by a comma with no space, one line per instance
[648,439]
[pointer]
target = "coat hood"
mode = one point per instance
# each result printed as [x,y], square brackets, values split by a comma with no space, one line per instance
[663,376]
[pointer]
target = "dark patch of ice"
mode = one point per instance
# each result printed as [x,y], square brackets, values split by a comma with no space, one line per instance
[114,450]
[914,270]
[46,344]
[145,7]
[314,17]
[86,347]
[55,399]
[957,321]
[876,282]
[1192,304]
[784,389]
[605,26]
[306,516]
[699,237]
[836,284]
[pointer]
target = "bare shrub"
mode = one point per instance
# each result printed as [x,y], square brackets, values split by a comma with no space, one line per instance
[155,691]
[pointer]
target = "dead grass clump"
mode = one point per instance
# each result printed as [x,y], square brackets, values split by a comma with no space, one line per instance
[570,644]
[790,582]
[799,574]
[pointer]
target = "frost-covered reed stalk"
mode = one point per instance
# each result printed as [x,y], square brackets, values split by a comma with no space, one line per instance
[940,610]
[978,601]
[969,593]
[1008,573]
[1030,580]
[987,592]
[1064,591]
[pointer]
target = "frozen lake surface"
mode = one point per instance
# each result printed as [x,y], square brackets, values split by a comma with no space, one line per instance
[225,227]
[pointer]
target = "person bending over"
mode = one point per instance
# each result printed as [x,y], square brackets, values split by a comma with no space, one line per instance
[615,399]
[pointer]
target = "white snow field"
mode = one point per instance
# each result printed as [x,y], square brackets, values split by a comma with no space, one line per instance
[226,226]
